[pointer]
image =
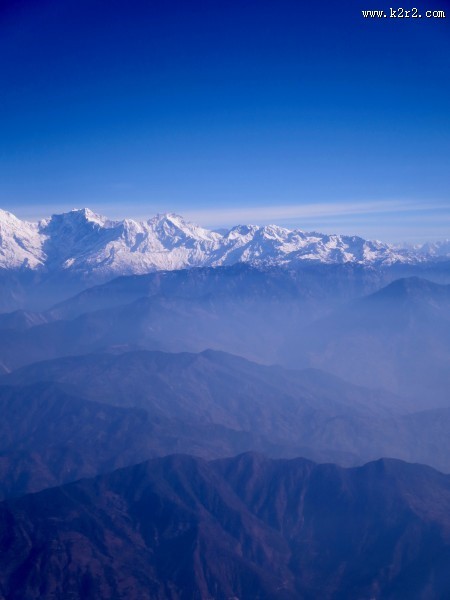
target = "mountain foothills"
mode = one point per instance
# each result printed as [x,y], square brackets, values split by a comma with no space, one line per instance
[246,527]
[79,416]
[322,317]
[162,342]
[397,337]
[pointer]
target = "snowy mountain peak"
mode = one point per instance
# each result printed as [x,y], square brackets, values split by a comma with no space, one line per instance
[20,243]
[6,217]
[90,245]
[173,225]
[161,219]
[75,218]
[88,215]
[434,248]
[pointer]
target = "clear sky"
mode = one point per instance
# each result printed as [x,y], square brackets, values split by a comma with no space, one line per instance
[301,114]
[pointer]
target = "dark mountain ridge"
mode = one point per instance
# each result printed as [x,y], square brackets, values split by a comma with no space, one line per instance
[50,434]
[247,527]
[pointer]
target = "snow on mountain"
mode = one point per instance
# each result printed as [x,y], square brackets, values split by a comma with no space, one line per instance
[20,243]
[434,249]
[85,243]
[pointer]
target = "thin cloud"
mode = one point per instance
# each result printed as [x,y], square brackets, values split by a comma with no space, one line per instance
[275,213]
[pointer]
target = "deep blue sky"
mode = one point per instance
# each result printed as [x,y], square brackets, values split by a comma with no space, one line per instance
[226,112]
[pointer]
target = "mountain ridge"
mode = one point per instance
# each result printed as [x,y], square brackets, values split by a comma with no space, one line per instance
[181,527]
[85,243]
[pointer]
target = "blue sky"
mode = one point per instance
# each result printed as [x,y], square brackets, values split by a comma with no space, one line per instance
[228,112]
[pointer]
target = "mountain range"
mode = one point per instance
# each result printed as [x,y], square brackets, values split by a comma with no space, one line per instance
[204,525]
[85,244]
[123,342]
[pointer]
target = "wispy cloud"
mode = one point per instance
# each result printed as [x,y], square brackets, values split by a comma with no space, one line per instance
[276,213]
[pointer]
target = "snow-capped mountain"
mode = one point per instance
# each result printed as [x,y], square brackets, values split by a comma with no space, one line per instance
[20,243]
[84,243]
[434,249]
